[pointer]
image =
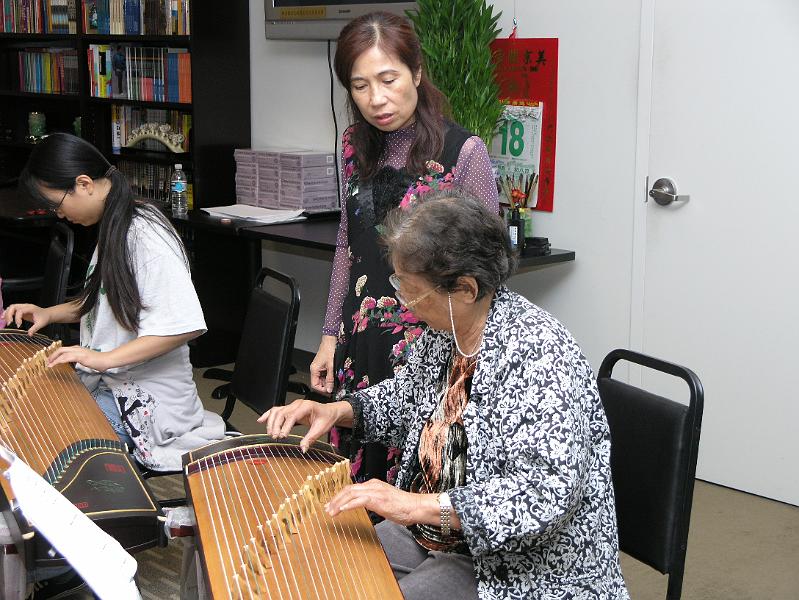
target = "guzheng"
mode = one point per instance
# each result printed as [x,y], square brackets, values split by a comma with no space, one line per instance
[49,420]
[262,529]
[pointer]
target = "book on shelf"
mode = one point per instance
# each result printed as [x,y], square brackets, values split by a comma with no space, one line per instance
[151,181]
[136,17]
[140,73]
[126,118]
[38,16]
[48,70]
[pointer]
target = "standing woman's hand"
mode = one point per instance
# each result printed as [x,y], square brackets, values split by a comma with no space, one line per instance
[16,313]
[322,365]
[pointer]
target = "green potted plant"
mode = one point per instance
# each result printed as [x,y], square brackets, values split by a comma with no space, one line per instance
[455,38]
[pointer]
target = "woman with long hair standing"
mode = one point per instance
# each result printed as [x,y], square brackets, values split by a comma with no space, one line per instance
[399,146]
[137,311]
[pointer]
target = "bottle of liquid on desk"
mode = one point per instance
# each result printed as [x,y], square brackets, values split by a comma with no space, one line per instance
[516,231]
[178,194]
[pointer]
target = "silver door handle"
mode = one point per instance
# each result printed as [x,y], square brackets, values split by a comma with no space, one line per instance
[664,192]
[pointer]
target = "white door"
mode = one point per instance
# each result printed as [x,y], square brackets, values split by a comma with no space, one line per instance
[716,279]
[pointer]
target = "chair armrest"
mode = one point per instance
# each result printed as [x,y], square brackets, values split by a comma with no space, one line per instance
[22,284]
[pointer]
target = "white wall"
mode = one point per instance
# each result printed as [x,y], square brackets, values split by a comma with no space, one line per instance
[594,170]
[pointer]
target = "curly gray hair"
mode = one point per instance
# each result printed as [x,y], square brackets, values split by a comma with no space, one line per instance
[449,234]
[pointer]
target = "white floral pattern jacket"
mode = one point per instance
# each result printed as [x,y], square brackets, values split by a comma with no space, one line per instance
[537,510]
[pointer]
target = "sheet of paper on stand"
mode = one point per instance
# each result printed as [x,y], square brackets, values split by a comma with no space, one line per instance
[97,557]
[256,214]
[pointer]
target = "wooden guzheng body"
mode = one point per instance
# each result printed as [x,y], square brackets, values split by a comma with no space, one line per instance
[262,529]
[49,419]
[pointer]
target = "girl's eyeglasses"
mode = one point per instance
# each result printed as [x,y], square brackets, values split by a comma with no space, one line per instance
[54,207]
[395,283]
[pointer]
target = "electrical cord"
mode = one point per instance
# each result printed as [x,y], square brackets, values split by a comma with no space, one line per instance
[335,122]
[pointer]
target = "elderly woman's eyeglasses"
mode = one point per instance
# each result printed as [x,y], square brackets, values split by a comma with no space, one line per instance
[53,207]
[395,283]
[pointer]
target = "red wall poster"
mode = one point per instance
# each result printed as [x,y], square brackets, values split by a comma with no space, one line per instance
[527,73]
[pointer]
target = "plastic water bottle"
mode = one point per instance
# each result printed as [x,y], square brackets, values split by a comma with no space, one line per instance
[178,194]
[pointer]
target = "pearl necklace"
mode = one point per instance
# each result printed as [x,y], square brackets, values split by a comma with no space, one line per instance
[455,337]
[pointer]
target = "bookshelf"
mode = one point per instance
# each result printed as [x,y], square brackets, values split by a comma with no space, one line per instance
[216,38]
[212,112]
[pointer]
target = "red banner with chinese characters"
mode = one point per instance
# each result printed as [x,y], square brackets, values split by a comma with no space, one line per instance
[527,72]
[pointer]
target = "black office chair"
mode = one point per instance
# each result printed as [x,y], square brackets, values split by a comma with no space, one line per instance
[260,374]
[654,445]
[263,363]
[52,284]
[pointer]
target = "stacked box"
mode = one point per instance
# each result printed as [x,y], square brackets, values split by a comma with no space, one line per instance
[300,159]
[268,161]
[246,176]
[311,200]
[307,172]
[286,178]
[308,180]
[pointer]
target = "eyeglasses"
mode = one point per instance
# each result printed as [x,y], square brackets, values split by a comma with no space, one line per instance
[395,283]
[54,207]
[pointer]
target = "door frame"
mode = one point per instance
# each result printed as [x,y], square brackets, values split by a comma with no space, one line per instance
[646,50]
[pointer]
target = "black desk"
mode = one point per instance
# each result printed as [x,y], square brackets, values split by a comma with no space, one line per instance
[24,239]
[224,265]
[226,256]
[18,211]
[322,235]
[317,233]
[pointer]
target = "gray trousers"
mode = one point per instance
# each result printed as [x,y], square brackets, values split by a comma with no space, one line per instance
[424,574]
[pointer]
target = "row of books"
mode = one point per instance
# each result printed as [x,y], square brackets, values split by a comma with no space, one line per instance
[125,118]
[140,73]
[137,17]
[44,71]
[38,16]
[151,181]
[108,17]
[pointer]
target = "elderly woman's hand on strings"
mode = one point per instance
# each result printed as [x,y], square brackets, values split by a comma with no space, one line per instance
[319,418]
[387,501]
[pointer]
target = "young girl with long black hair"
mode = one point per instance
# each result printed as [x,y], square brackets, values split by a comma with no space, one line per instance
[137,310]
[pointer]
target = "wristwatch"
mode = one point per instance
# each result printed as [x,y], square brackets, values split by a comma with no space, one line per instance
[445,508]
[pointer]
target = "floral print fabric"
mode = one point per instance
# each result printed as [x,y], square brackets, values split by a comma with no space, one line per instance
[377,332]
[537,509]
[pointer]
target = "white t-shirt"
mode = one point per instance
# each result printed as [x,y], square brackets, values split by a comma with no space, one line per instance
[157,398]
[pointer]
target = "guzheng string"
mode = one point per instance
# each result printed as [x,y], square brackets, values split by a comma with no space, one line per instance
[21,392]
[41,420]
[272,536]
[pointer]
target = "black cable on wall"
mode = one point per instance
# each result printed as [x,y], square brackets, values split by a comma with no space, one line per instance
[335,121]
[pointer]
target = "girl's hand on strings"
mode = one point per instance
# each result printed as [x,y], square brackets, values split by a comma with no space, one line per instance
[403,508]
[319,418]
[92,359]
[17,313]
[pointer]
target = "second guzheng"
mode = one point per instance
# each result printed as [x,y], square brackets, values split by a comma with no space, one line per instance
[49,420]
[262,529]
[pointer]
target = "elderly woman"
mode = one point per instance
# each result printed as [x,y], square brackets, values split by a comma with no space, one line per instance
[504,489]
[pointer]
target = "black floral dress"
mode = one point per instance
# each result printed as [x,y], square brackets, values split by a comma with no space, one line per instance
[377,331]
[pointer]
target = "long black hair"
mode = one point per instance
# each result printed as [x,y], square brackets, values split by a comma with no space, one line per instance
[55,163]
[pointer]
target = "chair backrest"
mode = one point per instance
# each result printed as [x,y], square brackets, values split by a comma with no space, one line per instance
[654,445]
[56,273]
[261,373]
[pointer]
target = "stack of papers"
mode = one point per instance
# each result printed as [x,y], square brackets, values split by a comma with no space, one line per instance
[255,214]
